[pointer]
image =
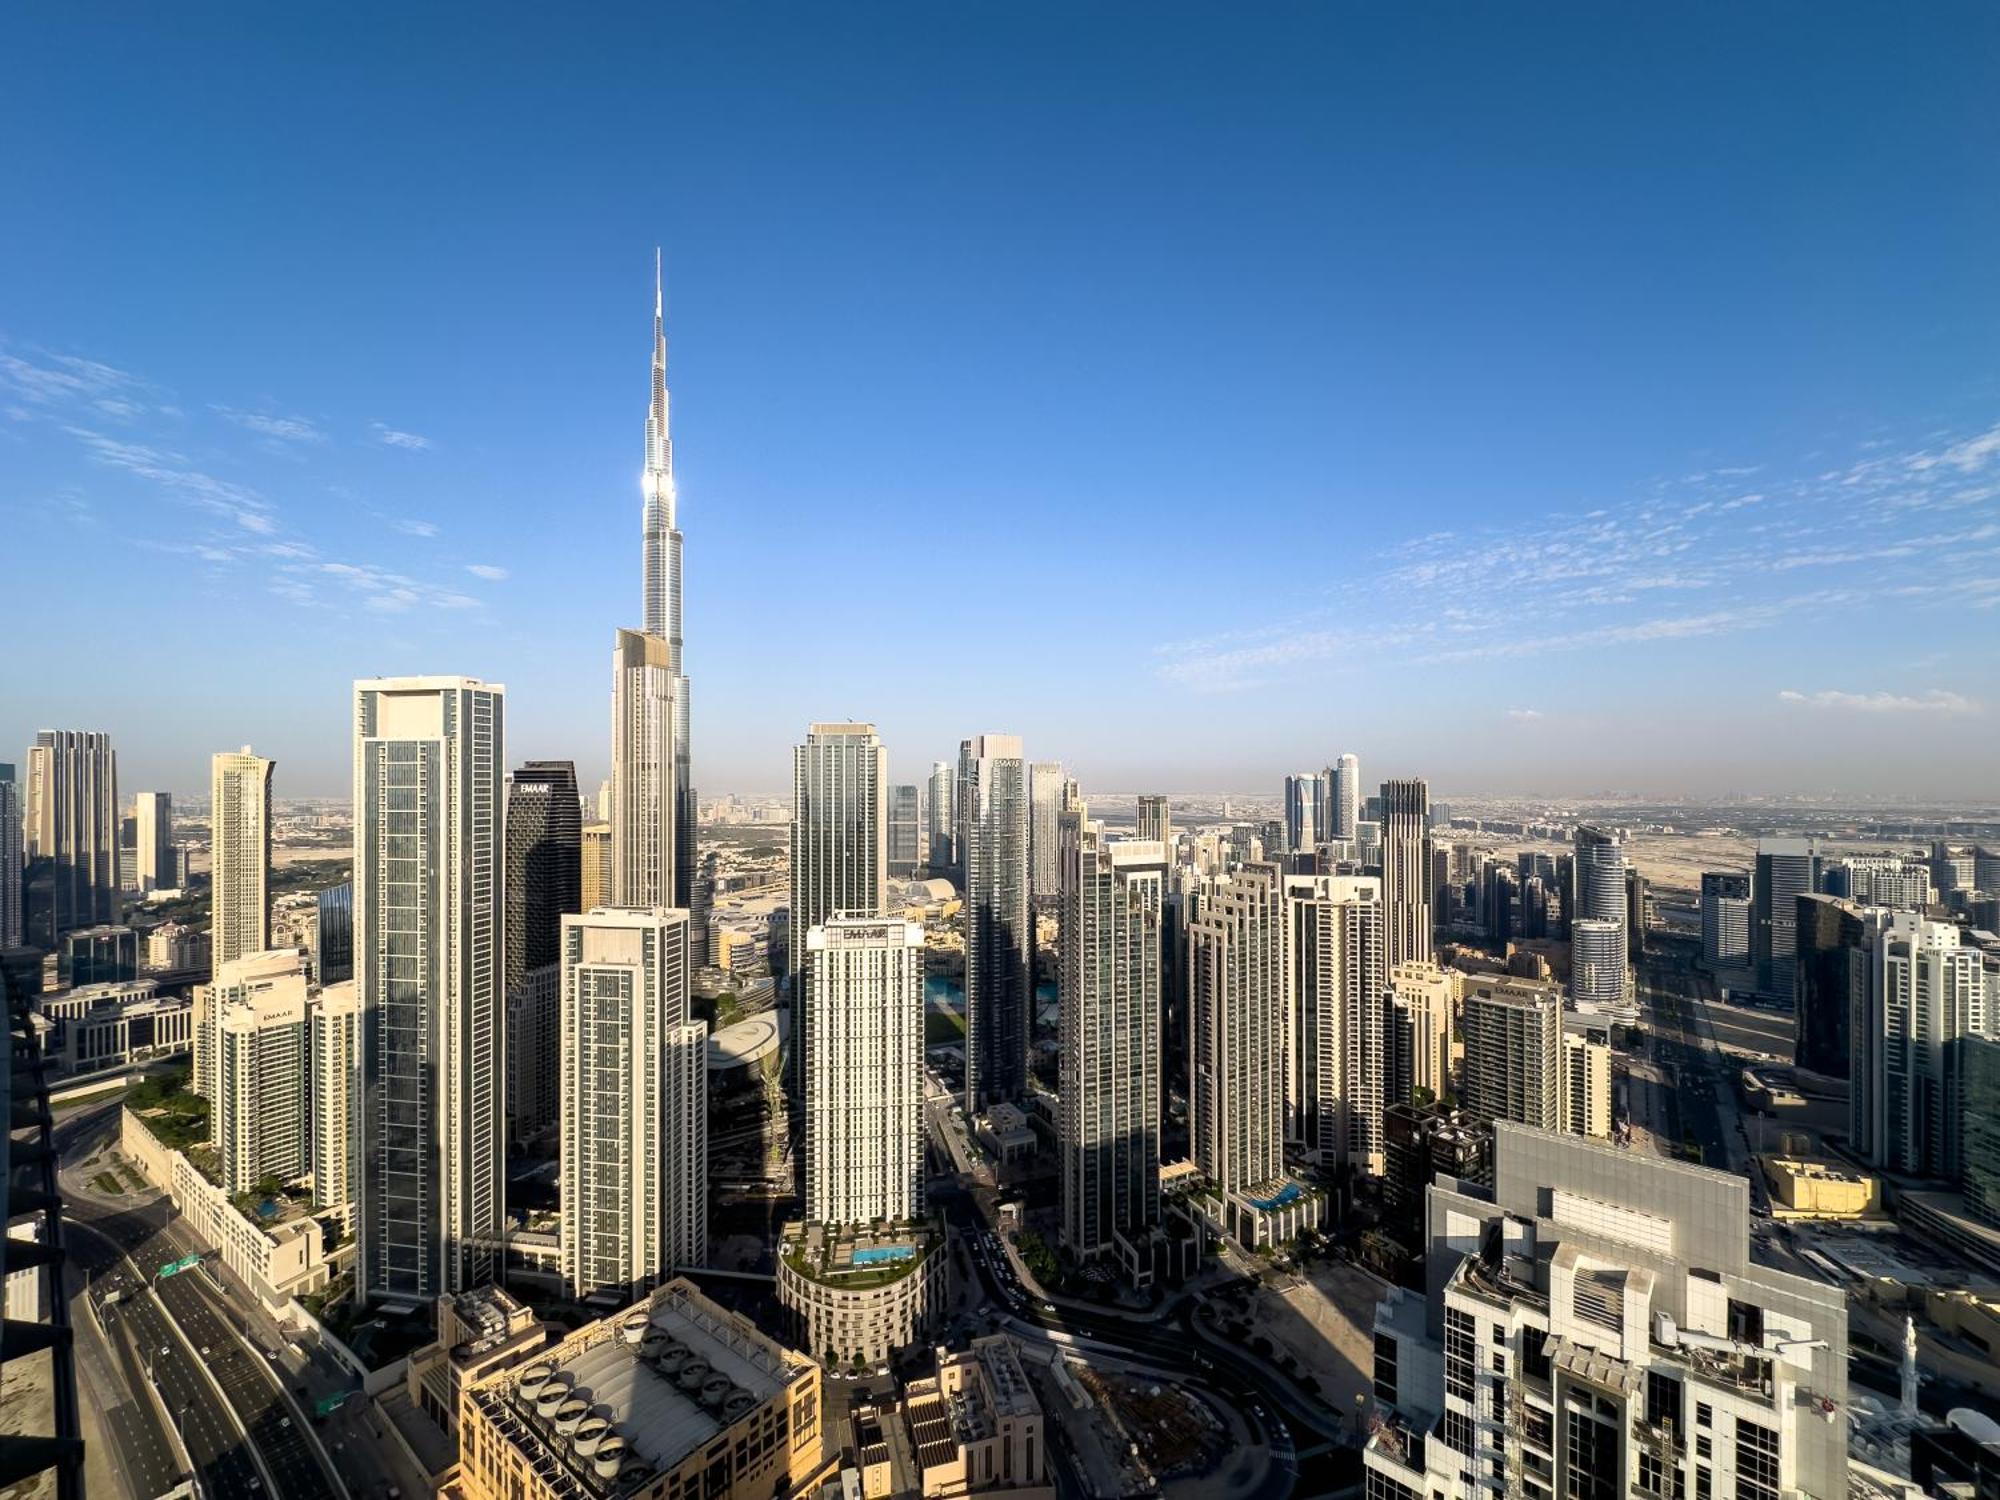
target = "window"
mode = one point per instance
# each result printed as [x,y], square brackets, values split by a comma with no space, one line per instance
[1756,1462]
[1652,1475]
[1500,1335]
[1458,1341]
[1663,1399]
[1535,1364]
[1704,1415]
[1385,1368]
[1746,1322]
[1539,1429]
[1458,1432]
[1382,1487]
[1703,1447]
[1594,1467]
[1701,1482]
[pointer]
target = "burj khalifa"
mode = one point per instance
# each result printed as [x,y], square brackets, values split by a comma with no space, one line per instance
[653,818]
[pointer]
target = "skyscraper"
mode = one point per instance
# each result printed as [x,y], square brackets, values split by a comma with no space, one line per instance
[153,819]
[663,618]
[1045,805]
[333,1032]
[1981,1147]
[1513,1052]
[1831,942]
[1406,871]
[72,833]
[333,935]
[1303,800]
[1338,1012]
[598,882]
[999,935]
[644,753]
[1585,1105]
[1156,823]
[429,949]
[12,932]
[941,822]
[1598,868]
[1108,1125]
[544,884]
[1236,995]
[634,1174]
[905,833]
[1597,1320]
[864,1091]
[840,844]
[1346,797]
[544,863]
[240,853]
[1786,869]
[261,1075]
[1725,918]
[1927,992]
[1422,997]
[1597,964]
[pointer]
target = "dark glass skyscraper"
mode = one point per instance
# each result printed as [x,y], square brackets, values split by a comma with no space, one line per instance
[544,864]
[1832,981]
[1786,869]
[333,948]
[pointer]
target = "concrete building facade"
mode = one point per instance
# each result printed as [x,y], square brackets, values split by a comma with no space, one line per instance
[429,944]
[634,1105]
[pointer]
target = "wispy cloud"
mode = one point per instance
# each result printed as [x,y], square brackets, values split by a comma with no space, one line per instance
[1603,575]
[1524,714]
[68,399]
[179,478]
[488,571]
[283,429]
[391,437]
[1936,701]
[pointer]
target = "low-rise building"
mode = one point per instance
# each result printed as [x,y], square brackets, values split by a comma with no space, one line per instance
[175,947]
[278,1260]
[676,1398]
[480,1333]
[101,1027]
[859,1295]
[1005,1132]
[976,1428]
[1819,1190]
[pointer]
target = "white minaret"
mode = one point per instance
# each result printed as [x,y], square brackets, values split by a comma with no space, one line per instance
[1909,1366]
[663,589]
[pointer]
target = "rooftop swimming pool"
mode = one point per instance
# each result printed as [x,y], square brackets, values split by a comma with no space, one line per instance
[876,1255]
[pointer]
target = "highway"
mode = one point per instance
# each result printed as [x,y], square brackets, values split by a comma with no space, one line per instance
[211,1379]
[153,1354]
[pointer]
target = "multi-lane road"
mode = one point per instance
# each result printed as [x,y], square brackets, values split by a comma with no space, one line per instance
[1282,1420]
[232,1417]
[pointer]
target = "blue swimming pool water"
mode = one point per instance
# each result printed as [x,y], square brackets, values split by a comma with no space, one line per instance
[1291,1192]
[875,1255]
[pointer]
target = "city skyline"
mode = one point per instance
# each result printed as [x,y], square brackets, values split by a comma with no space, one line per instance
[439,486]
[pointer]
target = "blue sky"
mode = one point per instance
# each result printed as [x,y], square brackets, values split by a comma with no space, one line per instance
[1551,398]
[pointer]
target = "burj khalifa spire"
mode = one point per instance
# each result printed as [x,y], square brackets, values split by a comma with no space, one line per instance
[653,835]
